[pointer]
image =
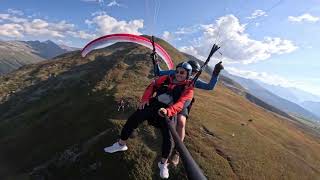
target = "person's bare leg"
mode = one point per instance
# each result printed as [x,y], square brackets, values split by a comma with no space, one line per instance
[181,124]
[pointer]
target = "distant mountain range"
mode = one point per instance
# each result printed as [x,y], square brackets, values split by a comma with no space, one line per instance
[292,94]
[312,106]
[14,54]
[46,49]
[305,99]
[274,97]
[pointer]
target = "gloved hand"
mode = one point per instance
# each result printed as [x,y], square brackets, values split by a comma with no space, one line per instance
[154,56]
[217,68]
[162,112]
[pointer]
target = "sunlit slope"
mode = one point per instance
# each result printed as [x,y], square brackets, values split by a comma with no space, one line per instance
[63,113]
[14,54]
[258,144]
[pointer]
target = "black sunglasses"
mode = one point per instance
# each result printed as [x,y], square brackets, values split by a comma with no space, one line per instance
[181,72]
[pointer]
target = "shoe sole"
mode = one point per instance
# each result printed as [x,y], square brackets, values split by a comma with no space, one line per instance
[115,151]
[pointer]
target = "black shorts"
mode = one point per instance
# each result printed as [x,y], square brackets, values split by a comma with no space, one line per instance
[185,112]
[187,107]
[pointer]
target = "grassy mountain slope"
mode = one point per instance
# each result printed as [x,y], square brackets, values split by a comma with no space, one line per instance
[46,49]
[63,112]
[14,55]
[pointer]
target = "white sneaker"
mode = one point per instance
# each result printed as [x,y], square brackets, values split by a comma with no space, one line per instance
[115,148]
[164,171]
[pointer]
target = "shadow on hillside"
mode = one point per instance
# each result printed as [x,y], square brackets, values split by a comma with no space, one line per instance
[83,77]
[50,115]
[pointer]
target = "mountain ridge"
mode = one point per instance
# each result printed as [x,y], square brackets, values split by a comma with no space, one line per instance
[272,99]
[15,54]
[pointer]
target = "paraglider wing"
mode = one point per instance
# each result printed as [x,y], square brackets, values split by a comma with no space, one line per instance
[113,38]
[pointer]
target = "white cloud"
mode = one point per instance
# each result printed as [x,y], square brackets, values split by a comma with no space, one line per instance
[180,33]
[236,45]
[15,11]
[262,76]
[4,16]
[88,22]
[39,24]
[279,46]
[257,13]
[114,3]
[82,35]
[18,20]
[304,18]
[187,30]
[98,13]
[98,1]
[62,26]
[192,50]
[9,17]
[167,36]
[44,28]
[107,25]
[11,30]
[18,27]
[102,3]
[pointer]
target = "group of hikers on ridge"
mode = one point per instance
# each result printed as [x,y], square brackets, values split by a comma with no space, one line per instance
[169,94]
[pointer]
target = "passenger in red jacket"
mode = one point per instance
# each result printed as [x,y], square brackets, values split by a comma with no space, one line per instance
[166,95]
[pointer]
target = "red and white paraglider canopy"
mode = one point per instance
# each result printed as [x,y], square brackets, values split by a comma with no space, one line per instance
[114,38]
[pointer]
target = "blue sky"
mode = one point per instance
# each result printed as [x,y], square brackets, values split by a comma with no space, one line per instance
[276,41]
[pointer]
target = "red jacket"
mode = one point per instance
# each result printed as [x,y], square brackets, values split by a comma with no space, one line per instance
[177,106]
